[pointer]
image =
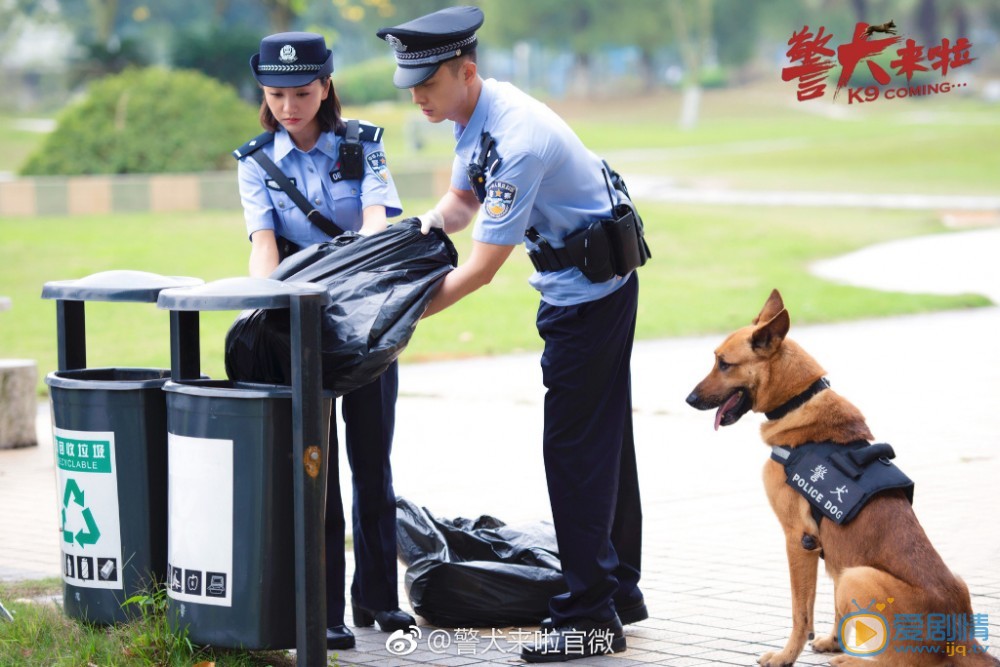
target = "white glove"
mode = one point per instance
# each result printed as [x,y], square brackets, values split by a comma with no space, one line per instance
[429,220]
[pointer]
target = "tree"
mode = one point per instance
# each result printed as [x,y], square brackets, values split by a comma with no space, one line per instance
[736,31]
[356,21]
[580,26]
[935,20]
[693,30]
[647,24]
[103,13]
[281,13]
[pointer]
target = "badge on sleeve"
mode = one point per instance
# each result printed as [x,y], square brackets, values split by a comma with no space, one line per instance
[377,162]
[499,199]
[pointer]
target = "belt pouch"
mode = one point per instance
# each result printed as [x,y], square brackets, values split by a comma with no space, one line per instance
[623,239]
[589,251]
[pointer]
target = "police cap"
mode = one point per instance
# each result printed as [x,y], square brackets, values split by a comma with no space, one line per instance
[291,59]
[421,45]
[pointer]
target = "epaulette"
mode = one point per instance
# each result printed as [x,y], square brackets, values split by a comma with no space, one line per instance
[368,132]
[257,142]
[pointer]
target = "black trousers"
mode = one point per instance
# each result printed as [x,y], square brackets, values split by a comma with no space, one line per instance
[589,452]
[369,419]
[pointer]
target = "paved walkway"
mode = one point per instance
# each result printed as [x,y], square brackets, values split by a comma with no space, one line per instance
[939,264]
[656,188]
[714,571]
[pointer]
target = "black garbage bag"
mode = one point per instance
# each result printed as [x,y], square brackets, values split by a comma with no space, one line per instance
[477,573]
[380,286]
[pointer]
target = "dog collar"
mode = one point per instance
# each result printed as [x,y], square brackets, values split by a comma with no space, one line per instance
[797,401]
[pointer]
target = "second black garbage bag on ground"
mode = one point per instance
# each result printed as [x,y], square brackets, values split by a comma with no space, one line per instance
[482,573]
[380,286]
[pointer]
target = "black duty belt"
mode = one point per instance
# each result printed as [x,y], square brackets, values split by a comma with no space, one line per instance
[547,258]
[615,246]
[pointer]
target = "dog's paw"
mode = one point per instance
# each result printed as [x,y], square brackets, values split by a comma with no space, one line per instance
[776,659]
[827,644]
[849,661]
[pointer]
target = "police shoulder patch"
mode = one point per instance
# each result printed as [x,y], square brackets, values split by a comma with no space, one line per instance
[500,198]
[376,160]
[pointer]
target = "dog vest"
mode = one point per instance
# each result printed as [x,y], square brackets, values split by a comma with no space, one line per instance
[839,479]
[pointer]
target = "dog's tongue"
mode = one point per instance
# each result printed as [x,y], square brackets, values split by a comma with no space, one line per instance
[725,407]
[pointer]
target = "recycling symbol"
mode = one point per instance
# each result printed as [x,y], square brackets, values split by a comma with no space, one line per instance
[92,534]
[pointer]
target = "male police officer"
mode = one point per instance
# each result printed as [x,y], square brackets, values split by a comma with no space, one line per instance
[532,177]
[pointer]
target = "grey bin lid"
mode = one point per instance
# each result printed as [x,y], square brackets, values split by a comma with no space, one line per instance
[238,294]
[115,286]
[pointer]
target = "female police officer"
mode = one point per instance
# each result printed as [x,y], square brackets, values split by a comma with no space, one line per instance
[531,177]
[310,157]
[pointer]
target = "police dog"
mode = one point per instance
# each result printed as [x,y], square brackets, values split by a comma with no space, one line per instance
[882,554]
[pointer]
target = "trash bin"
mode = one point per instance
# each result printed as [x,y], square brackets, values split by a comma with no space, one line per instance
[109,427]
[231,567]
[241,456]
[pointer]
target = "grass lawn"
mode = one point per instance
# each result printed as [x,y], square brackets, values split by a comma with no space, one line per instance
[760,137]
[711,266]
[42,635]
[18,141]
[756,136]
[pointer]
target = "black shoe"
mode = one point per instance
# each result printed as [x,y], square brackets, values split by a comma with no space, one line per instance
[339,637]
[388,621]
[633,613]
[579,639]
[628,615]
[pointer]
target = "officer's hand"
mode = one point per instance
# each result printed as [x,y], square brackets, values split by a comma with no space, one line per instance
[429,220]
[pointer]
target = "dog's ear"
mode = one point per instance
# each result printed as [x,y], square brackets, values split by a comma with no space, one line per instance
[768,336]
[772,307]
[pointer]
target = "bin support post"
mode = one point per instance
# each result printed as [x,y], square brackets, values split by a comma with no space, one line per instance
[71,332]
[185,345]
[309,451]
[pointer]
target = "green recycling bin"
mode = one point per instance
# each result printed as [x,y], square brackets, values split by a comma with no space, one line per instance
[231,566]
[246,483]
[109,428]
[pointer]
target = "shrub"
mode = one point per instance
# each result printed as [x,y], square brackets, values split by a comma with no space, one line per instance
[149,120]
[367,82]
[222,52]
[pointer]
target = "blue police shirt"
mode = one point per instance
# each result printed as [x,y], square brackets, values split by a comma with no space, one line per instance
[547,179]
[317,175]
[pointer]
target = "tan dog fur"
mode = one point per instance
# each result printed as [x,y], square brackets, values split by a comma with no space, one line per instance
[883,553]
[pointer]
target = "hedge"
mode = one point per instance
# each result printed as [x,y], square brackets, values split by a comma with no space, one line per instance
[149,120]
